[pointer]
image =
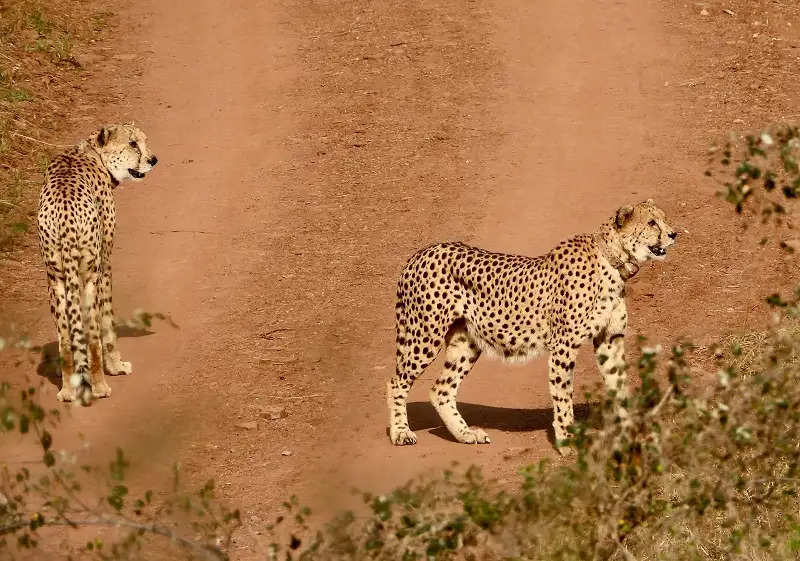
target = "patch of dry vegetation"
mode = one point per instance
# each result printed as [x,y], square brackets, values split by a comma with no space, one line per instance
[695,473]
[747,352]
[39,82]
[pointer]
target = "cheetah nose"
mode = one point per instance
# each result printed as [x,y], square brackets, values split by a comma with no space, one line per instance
[673,235]
[152,160]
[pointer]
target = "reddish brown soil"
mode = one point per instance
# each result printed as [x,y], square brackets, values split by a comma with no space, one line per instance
[308,149]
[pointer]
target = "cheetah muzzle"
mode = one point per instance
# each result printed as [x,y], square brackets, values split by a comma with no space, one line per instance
[76,234]
[469,301]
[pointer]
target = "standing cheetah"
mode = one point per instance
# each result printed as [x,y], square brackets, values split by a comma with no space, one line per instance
[76,234]
[468,301]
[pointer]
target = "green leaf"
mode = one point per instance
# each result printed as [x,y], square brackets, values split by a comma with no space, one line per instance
[118,466]
[46,440]
[24,424]
[117,497]
[775,300]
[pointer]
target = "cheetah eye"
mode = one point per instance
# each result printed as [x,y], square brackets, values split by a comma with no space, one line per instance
[133,144]
[652,223]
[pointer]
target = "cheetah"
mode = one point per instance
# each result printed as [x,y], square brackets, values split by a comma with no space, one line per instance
[469,301]
[76,234]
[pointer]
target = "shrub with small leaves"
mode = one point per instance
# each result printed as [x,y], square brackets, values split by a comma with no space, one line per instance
[707,473]
[52,491]
[759,166]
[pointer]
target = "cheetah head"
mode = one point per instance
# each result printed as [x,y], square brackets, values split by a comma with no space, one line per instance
[123,149]
[643,231]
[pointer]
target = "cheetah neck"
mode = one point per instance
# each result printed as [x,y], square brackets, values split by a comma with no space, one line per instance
[111,179]
[621,260]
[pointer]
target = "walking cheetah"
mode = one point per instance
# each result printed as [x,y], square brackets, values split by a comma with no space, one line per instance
[76,234]
[470,301]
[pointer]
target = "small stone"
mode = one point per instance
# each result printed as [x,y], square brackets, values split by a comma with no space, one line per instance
[514,451]
[793,244]
[703,12]
[273,413]
[286,453]
[249,425]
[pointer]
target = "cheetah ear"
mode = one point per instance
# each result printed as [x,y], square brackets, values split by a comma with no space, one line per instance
[651,202]
[623,215]
[102,137]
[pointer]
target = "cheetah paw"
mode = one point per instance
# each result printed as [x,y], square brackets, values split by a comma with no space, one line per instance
[473,436]
[566,451]
[120,369]
[101,390]
[403,438]
[65,395]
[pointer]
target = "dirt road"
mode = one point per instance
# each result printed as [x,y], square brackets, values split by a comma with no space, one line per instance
[307,150]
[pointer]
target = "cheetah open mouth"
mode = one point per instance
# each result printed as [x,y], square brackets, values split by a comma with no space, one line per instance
[658,250]
[135,173]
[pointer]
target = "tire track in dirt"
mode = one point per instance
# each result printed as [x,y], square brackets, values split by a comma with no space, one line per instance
[389,123]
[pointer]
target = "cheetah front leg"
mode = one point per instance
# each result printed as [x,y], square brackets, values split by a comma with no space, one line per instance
[114,365]
[562,365]
[609,348]
[461,354]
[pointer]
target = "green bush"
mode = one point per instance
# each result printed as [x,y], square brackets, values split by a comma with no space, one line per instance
[704,474]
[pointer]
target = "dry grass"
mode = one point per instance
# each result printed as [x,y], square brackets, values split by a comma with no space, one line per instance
[39,76]
[747,352]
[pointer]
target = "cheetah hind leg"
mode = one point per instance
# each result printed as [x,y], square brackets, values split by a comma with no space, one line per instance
[460,355]
[58,307]
[100,387]
[396,397]
[412,359]
[112,360]
[115,366]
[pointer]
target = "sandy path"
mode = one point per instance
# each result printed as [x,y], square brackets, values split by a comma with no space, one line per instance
[235,234]
[215,123]
[307,150]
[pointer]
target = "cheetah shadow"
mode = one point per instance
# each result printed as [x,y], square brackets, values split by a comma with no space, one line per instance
[422,416]
[49,366]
